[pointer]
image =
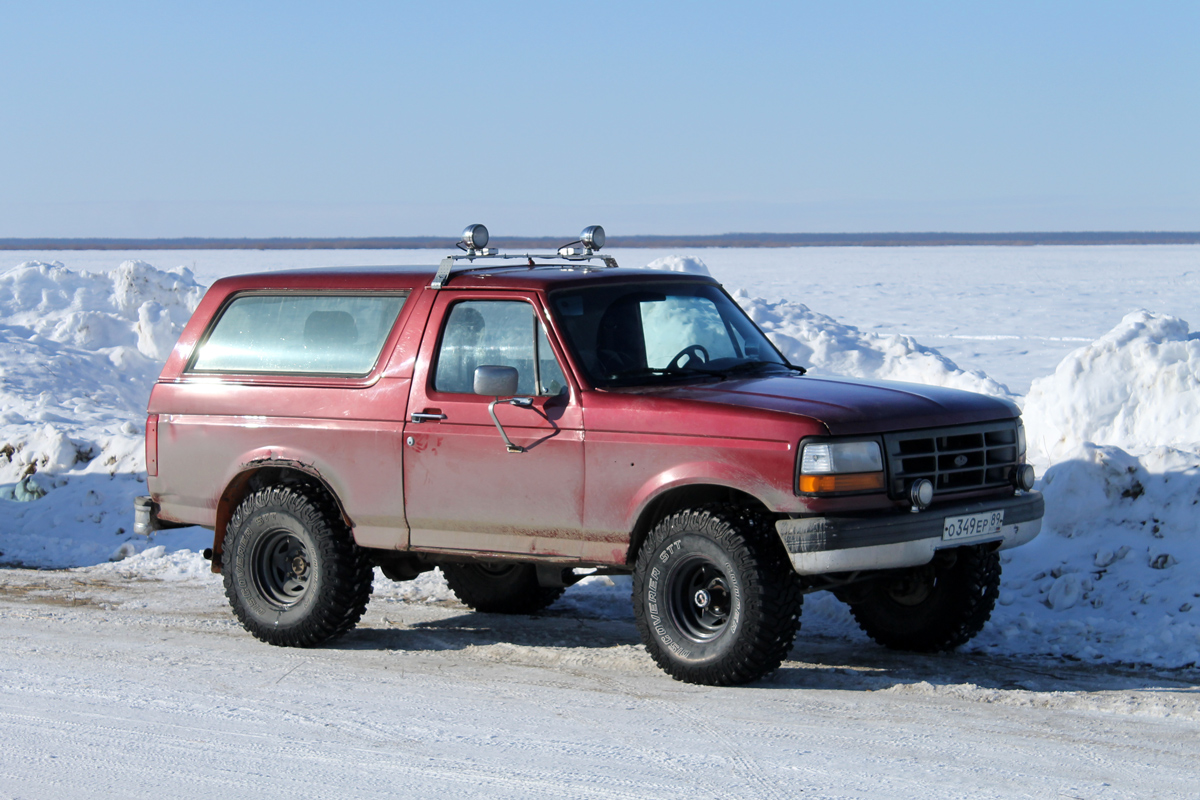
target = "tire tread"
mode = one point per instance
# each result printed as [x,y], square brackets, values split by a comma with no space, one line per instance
[774,593]
[527,597]
[348,581]
[974,588]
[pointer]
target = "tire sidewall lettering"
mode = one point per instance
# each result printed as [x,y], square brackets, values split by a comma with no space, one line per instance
[259,524]
[665,560]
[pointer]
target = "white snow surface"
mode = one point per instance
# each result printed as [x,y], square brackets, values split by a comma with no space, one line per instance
[79,352]
[690,264]
[1136,387]
[828,347]
[1114,431]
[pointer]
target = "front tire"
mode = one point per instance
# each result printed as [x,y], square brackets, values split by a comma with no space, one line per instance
[935,607]
[499,587]
[714,597]
[292,574]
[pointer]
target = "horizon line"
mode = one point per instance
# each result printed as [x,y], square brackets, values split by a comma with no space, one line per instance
[643,241]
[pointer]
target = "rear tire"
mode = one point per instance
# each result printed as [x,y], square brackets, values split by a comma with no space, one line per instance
[499,587]
[292,574]
[935,607]
[714,596]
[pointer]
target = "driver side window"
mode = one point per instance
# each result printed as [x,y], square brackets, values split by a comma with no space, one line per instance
[500,333]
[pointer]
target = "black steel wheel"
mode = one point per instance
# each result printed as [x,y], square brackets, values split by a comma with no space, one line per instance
[699,597]
[499,587]
[282,568]
[292,573]
[715,597]
[938,606]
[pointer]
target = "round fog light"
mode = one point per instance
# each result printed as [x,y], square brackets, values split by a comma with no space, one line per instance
[1024,477]
[921,493]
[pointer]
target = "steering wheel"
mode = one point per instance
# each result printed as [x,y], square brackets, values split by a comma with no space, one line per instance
[693,352]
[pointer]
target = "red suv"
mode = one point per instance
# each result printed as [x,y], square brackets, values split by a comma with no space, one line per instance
[522,421]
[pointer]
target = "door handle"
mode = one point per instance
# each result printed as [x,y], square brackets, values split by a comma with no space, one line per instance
[427,417]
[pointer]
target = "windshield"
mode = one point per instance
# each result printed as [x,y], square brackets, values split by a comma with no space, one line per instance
[651,333]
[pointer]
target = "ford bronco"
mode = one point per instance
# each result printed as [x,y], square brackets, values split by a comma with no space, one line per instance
[521,421]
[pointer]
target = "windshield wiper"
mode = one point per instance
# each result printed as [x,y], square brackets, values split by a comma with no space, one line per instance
[750,366]
[668,372]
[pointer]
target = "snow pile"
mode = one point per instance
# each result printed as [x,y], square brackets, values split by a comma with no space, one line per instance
[828,347]
[162,564]
[1137,388]
[79,352]
[1116,429]
[135,306]
[680,264]
[1112,577]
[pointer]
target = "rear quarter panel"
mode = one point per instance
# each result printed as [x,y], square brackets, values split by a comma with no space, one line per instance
[348,430]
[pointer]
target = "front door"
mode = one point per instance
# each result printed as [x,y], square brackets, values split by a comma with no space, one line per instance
[463,489]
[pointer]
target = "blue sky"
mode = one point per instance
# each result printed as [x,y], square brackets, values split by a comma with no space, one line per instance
[397,118]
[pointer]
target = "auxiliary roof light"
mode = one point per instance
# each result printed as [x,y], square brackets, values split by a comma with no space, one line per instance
[592,237]
[592,240]
[475,237]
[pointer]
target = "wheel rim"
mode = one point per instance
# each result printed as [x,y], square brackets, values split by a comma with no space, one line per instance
[698,598]
[913,587]
[282,568]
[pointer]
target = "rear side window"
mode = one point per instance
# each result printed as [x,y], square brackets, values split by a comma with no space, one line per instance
[314,334]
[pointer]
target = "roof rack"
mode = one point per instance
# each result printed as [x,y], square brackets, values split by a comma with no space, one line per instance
[474,243]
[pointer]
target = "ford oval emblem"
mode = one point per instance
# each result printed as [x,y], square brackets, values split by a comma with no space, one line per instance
[960,461]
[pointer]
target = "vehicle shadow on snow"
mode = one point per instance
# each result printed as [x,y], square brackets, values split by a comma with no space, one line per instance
[474,629]
[816,662]
[837,664]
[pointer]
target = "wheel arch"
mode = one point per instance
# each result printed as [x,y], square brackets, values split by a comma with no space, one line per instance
[678,498]
[259,475]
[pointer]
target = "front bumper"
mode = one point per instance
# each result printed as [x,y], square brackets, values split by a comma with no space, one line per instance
[819,545]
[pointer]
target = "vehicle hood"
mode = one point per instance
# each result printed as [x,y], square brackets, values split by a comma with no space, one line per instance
[848,406]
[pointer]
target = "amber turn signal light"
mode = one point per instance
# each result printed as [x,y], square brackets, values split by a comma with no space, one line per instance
[854,482]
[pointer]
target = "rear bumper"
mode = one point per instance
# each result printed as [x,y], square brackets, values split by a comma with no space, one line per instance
[818,545]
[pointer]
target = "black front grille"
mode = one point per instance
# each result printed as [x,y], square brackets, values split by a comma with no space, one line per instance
[958,459]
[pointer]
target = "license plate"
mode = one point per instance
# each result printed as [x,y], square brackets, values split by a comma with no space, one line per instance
[970,526]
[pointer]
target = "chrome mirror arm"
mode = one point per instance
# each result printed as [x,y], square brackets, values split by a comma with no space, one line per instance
[519,402]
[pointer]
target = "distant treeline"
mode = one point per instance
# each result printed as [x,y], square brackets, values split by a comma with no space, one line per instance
[653,242]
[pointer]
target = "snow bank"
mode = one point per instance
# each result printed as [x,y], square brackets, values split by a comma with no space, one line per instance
[827,347]
[1137,388]
[134,306]
[1116,431]
[79,352]
[1112,577]
[680,264]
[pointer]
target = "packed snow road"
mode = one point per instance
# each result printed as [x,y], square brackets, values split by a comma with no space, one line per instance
[117,684]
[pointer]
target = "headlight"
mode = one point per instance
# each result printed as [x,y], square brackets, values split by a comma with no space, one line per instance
[1020,441]
[840,467]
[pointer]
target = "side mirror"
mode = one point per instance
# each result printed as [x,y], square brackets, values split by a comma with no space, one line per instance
[501,382]
[496,381]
